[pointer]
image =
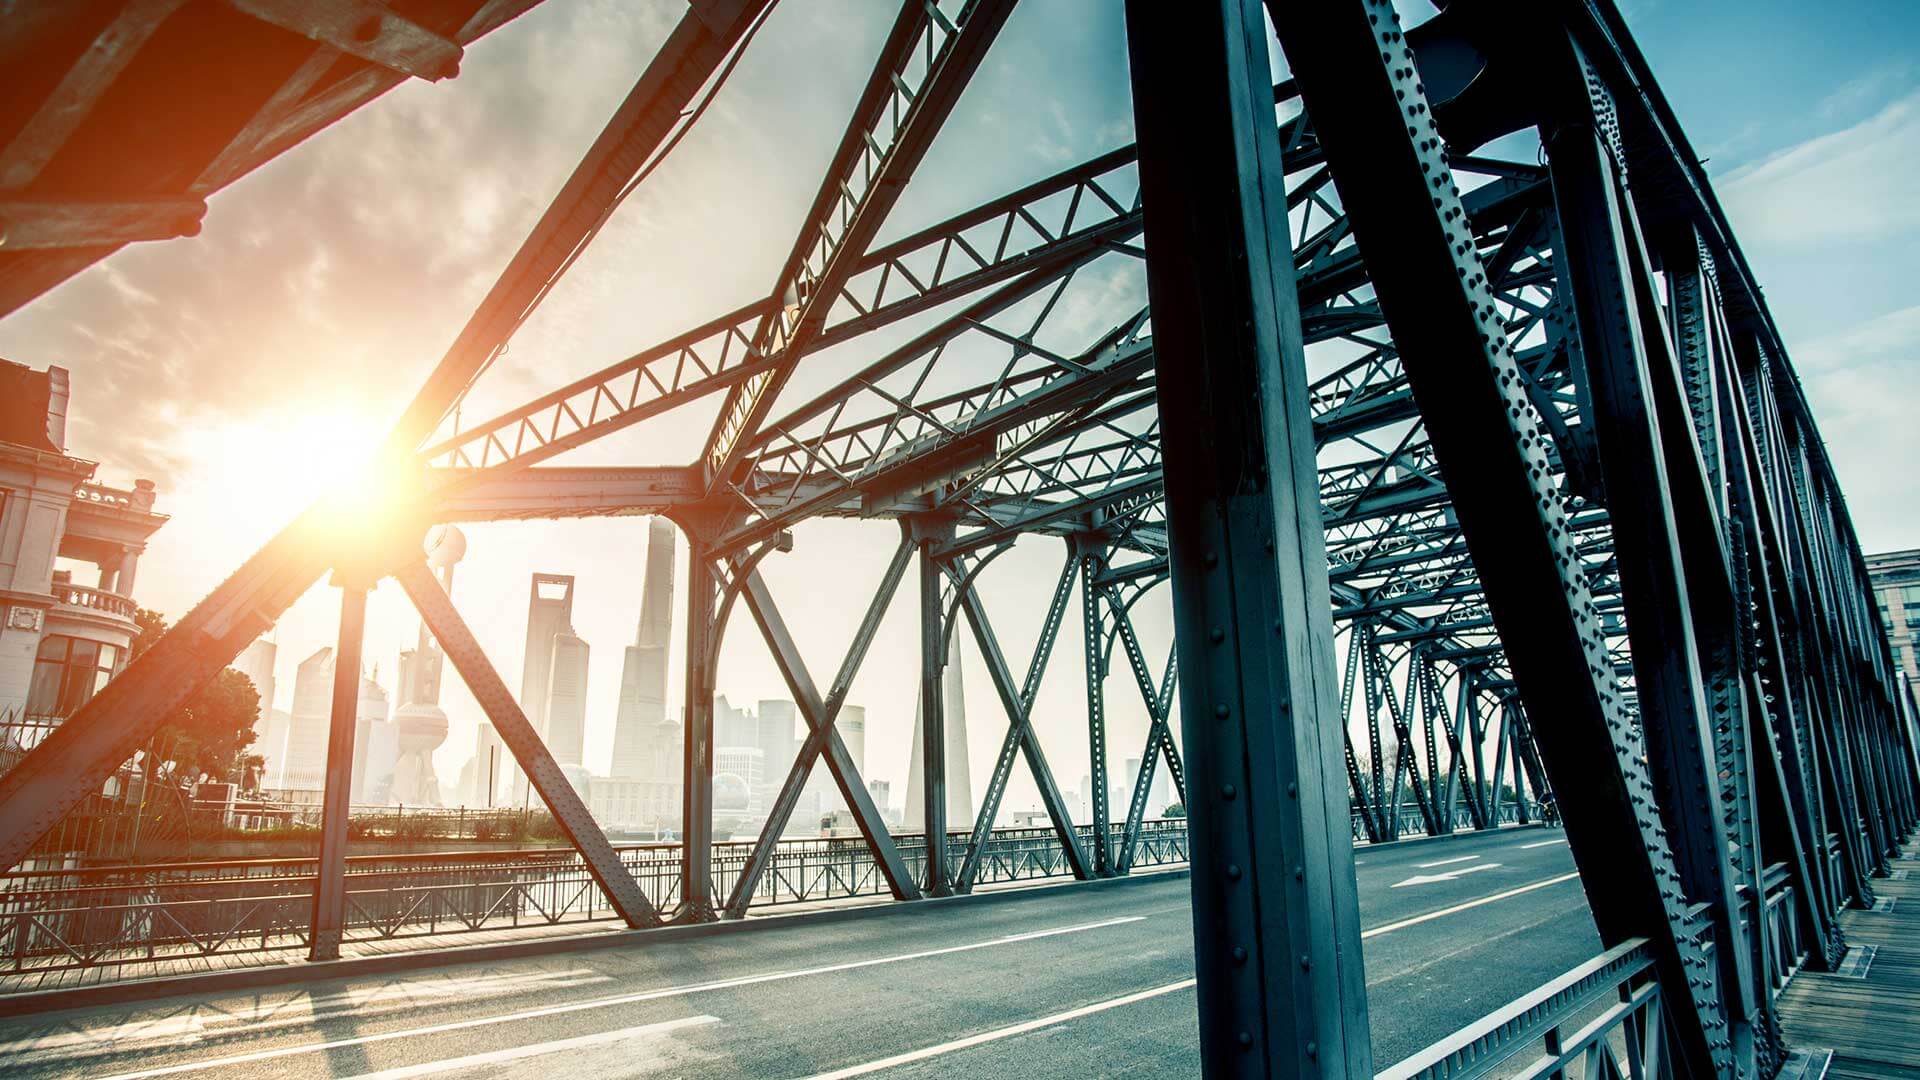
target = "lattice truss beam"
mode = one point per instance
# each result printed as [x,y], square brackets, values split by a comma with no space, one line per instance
[1672,474]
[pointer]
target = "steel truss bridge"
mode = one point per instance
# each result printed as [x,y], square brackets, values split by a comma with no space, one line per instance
[1470,455]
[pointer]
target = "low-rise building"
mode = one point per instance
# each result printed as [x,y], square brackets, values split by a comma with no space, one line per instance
[1896,592]
[70,548]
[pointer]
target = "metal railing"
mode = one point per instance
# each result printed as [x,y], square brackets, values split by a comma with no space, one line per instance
[1412,824]
[1621,1039]
[1841,892]
[1783,926]
[21,731]
[71,918]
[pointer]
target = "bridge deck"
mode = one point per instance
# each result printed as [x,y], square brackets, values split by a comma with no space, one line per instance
[1871,1024]
[185,961]
[1065,982]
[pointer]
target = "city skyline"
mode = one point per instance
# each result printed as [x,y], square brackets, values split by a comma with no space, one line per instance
[1850,335]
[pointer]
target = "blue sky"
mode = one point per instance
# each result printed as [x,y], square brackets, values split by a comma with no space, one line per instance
[1809,118]
[243,367]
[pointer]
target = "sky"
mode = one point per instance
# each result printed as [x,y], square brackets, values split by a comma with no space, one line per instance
[243,369]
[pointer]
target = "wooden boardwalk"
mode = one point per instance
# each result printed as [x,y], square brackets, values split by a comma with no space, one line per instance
[1871,1024]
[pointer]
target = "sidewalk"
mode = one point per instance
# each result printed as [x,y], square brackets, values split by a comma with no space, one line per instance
[1870,1023]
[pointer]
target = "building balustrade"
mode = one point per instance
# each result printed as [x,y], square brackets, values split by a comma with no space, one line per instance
[102,495]
[100,600]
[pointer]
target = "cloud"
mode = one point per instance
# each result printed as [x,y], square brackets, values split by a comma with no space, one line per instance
[1865,90]
[338,272]
[1849,185]
[1892,338]
[1860,383]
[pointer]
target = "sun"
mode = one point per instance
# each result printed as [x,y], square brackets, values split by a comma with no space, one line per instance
[249,477]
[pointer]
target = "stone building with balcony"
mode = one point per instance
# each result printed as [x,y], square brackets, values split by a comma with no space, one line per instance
[69,554]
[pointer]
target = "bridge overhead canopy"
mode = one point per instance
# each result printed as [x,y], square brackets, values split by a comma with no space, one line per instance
[119,120]
[1460,451]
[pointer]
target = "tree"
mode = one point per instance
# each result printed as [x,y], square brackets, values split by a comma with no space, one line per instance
[1177,810]
[152,624]
[206,735]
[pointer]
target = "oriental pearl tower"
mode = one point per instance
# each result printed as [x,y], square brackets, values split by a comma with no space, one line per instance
[419,723]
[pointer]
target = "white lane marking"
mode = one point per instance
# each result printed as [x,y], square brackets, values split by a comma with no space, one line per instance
[1447,862]
[1450,875]
[515,1053]
[1088,1010]
[1457,908]
[1000,1033]
[211,1021]
[1542,843]
[622,999]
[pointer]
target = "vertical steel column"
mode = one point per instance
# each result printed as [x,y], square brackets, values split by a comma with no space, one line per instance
[1091,551]
[696,763]
[1359,803]
[1501,742]
[330,880]
[1281,985]
[933,722]
[1386,804]
[1477,735]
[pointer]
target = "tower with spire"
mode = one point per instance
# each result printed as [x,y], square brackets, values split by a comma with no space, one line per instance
[644,740]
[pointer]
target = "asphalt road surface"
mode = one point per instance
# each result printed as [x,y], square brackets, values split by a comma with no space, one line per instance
[1056,982]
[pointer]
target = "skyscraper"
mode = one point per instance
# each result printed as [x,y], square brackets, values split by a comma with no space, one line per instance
[270,730]
[852,726]
[305,769]
[778,745]
[822,795]
[256,663]
[480,780]
[641,724]
[376,747]
[549,612]
[567,699]
[959,775]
